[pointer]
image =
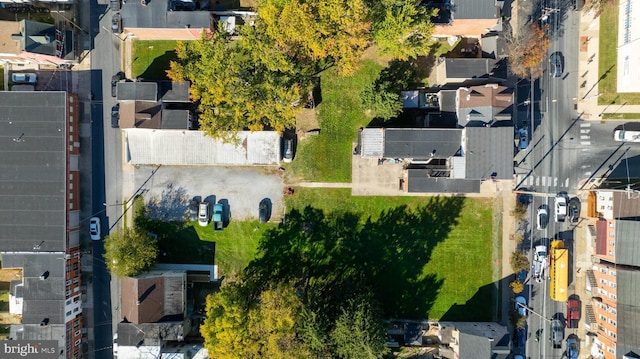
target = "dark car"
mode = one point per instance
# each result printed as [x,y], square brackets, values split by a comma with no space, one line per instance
[115,116]
[193,210]
[116,23]
[287,150]
[264,211]
[114,82]
[557,333]
[521,337]
[574,209]
[557,64]
[114,5]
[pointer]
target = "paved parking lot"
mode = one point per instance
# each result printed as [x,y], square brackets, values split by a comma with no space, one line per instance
[167,192]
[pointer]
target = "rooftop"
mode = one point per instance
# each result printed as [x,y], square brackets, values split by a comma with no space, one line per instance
[489,150]
[154,297]
[628,308]
[33,173]
[421,143]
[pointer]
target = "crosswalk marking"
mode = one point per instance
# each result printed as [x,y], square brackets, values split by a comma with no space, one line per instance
[585,124]
[585,131]
[525,180]
[585,143]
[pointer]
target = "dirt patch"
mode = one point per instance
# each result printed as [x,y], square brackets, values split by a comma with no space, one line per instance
[8,275]
[372,54]
[307,123]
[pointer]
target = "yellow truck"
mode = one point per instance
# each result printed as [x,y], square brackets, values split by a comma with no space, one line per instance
[558,271]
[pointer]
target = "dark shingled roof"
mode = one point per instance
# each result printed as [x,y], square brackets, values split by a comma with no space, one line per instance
[33,177]
[489,150]
[418,182]
[628,308]
[420,143]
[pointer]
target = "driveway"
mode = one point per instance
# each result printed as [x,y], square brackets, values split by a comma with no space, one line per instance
[167,191]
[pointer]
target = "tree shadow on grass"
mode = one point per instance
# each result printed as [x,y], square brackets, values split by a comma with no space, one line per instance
[480,308]
[157,69]
[332,256]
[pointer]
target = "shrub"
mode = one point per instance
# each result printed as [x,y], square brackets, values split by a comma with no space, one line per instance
[519,261]
[516,286]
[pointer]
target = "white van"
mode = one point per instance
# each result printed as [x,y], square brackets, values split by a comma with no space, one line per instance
[626,136]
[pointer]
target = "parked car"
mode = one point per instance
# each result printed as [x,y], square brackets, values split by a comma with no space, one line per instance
[518,356]
[94,228]
[115,116]
[114,82]
[524,139]
[521,337]
[203,214]
[574,209]
[561,207]
[116,23]
[28,78]
[264,211]
[193,210]
[540,263]
[542,219]
[114,5]
[573,348]
[573,312]
[115,345]
[556,61]
[287,151]
[218,217]
[557,333]
[521,305]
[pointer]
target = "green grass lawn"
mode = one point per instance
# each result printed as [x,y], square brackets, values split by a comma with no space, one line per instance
[462,261]
[621,116]
[607,68]
[150,59]
[340,116]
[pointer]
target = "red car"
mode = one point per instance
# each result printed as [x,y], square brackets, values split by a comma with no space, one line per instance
[573,313]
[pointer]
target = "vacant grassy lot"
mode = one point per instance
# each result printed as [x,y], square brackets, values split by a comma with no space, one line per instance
[607,68]
[150,59]
[621,116]
[340,116]
[462,261]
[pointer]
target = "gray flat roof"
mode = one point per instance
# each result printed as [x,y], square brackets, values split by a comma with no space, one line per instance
[418,182]
[157,15]
[468,68]
[171,91]
[137,91]
[42,298]
[628,311]
[420,143]
[33,182]
[627,243]
[489,150]
[475,9]
[175,119]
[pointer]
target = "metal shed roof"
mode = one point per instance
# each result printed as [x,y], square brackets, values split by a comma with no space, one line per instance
[183,147]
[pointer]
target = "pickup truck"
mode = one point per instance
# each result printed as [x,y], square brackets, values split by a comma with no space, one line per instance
[539,263]
[218,223]
[573,313]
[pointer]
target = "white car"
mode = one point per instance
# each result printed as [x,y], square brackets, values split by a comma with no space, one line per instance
[115,345]
[24,78]
[542,218]
[561,208]
[203,214]
[539,263]
[94,228]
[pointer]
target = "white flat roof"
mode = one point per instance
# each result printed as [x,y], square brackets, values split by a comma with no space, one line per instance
[183,147]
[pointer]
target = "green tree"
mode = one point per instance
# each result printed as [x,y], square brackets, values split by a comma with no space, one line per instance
[401,28]
[234,92]
[382,97]
[316,30]
[359,331]
[237,326]
[129,252]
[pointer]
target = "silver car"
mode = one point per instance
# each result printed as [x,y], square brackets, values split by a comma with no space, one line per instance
[94,228]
